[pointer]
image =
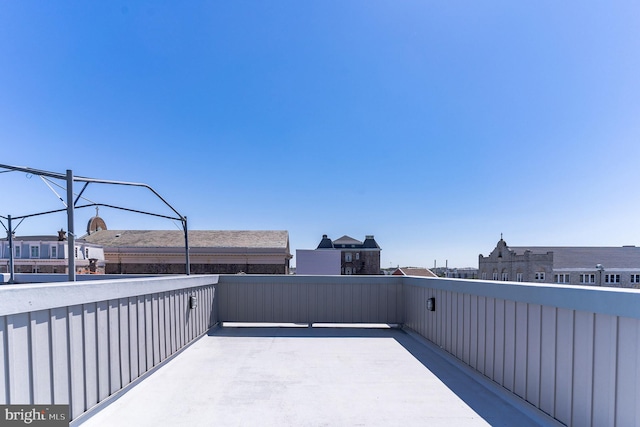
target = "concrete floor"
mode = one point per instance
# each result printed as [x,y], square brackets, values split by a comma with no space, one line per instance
[313,377]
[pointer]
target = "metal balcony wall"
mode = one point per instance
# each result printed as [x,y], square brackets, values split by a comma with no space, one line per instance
[78,344]
[310,299]
[572,352]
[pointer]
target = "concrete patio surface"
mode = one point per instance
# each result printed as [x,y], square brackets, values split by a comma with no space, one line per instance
[275,376]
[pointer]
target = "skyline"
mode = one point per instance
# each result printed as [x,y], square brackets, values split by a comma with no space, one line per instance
[433,127]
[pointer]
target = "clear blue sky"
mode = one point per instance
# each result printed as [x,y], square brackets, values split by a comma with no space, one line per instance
[435,126]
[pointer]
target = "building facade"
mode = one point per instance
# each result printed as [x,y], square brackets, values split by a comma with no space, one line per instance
[50,254]
[210,251]
[585,266]
[356,257]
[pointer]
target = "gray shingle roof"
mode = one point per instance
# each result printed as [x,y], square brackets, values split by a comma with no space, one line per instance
[197,238]
[346,240]
[587,257]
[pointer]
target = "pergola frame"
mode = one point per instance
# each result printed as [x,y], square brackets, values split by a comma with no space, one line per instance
[73,204]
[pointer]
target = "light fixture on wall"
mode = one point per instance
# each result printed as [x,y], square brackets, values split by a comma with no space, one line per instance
[431,304]
[193,301]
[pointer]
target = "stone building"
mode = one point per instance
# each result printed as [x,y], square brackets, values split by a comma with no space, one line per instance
[210,251]
[586,266]
[356,257]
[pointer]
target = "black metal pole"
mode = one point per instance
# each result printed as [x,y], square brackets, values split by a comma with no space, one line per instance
[70,231]
[11,262]
[186,246]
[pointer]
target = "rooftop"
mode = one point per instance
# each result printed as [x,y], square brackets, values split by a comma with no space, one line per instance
[288,376]
[171,351]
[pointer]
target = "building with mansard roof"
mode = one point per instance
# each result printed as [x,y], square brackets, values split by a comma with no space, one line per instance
[356,257]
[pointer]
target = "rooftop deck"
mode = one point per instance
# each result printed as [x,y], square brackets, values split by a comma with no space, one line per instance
[470,352]
[275,376]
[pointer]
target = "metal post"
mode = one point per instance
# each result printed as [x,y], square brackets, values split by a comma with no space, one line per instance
[186,246]
[11,263]
[70,231]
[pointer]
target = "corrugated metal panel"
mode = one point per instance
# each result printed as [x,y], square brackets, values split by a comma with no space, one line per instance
[325,301]
[102,331]
[76,361]
[18,358]
[521,354]
[90,353]
[580,366]
[604,372]
[4,378]
[83,353]
[628,373]
[533,339]
[60,355]
[548,360]
[564,365]
[41,357]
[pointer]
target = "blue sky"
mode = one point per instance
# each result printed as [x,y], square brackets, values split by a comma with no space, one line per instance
[435,126]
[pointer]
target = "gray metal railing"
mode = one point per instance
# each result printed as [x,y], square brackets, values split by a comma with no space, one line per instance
[79,344]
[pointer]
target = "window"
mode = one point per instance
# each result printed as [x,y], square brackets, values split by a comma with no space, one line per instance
[484,275]
[54,251]
[635,278]
[347,257]
[612,278]
[561,278]
[495,275]
[357,255]
[540,275]
[505,276]
[519,277]
[587,279]
[16,251]
[34,251]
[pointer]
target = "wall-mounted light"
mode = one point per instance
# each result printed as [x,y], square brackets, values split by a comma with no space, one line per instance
[193,301]
[431,304]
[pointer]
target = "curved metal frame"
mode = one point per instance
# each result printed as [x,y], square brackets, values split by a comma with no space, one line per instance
[72,205]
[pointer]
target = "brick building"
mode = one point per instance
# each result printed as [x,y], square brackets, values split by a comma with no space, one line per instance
[210,251]
[356,257]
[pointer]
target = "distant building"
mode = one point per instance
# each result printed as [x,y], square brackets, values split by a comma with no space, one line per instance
[413,271]
[587,266]
[456,273]
[50,254]
[356,257]
[210,251]
[318,262]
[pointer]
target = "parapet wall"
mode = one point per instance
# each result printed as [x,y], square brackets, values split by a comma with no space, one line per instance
[573,352]
[80,343]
